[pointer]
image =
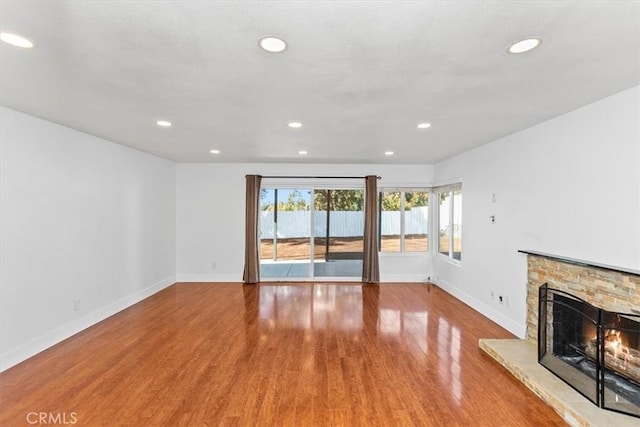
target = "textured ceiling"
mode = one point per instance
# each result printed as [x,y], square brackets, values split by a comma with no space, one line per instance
[359,75]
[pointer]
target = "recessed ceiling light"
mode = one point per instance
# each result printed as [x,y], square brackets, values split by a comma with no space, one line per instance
[215,151]
[524,45]
[302,152]
[163,123]
[424,125]
[16,40]
[295,125]
[272,44]
[389,153]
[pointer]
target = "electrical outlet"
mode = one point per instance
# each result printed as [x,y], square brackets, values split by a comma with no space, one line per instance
[500,299]
[213,264]
[493,295]
[76,305]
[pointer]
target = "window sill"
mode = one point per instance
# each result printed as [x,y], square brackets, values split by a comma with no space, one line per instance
[446,259]
[402,254]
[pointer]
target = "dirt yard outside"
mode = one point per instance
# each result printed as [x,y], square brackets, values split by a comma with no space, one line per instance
[299,248]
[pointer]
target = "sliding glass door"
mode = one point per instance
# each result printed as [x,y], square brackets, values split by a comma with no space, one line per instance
[311,232]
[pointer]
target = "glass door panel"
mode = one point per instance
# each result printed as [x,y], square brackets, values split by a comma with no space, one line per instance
[338,229]
[285,241]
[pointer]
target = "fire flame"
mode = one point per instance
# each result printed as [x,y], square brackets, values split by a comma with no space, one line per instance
[613,345]
[612,339]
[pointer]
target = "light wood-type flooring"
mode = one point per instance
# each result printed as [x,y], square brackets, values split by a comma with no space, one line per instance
[305,354]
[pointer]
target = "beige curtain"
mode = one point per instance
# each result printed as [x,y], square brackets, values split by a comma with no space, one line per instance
[251,238]
[370,265]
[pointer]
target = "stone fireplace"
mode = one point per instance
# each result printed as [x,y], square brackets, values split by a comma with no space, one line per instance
[605,287]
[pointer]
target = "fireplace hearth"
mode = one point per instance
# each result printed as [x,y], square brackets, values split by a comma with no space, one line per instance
[595,351]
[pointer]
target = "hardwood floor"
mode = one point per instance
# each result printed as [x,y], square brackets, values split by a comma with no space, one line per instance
[278,354]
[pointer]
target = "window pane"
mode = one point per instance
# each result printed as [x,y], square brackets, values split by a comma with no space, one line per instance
[390,221]
[457,225]
[416,221]
[443,223]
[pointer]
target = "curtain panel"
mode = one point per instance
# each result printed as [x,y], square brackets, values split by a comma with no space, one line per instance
[370,264]
[251,238]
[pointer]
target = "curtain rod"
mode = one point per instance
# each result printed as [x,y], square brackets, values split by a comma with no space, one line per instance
[321,177]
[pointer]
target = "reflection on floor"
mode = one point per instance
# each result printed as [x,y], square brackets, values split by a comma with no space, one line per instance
[314,307]
[334,268]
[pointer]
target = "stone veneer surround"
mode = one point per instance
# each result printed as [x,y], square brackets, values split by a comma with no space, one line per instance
[609,288]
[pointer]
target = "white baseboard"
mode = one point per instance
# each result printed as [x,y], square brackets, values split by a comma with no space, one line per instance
[233,278]
[21,353]
[190,277]
[402,278]
[515,328]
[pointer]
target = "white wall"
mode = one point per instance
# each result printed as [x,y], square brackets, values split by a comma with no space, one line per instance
[210,216]
[81,219]
[569,186]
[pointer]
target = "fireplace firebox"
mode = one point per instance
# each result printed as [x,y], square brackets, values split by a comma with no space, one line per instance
[595,351]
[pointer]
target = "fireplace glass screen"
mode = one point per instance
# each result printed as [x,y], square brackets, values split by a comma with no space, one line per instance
[595,351]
